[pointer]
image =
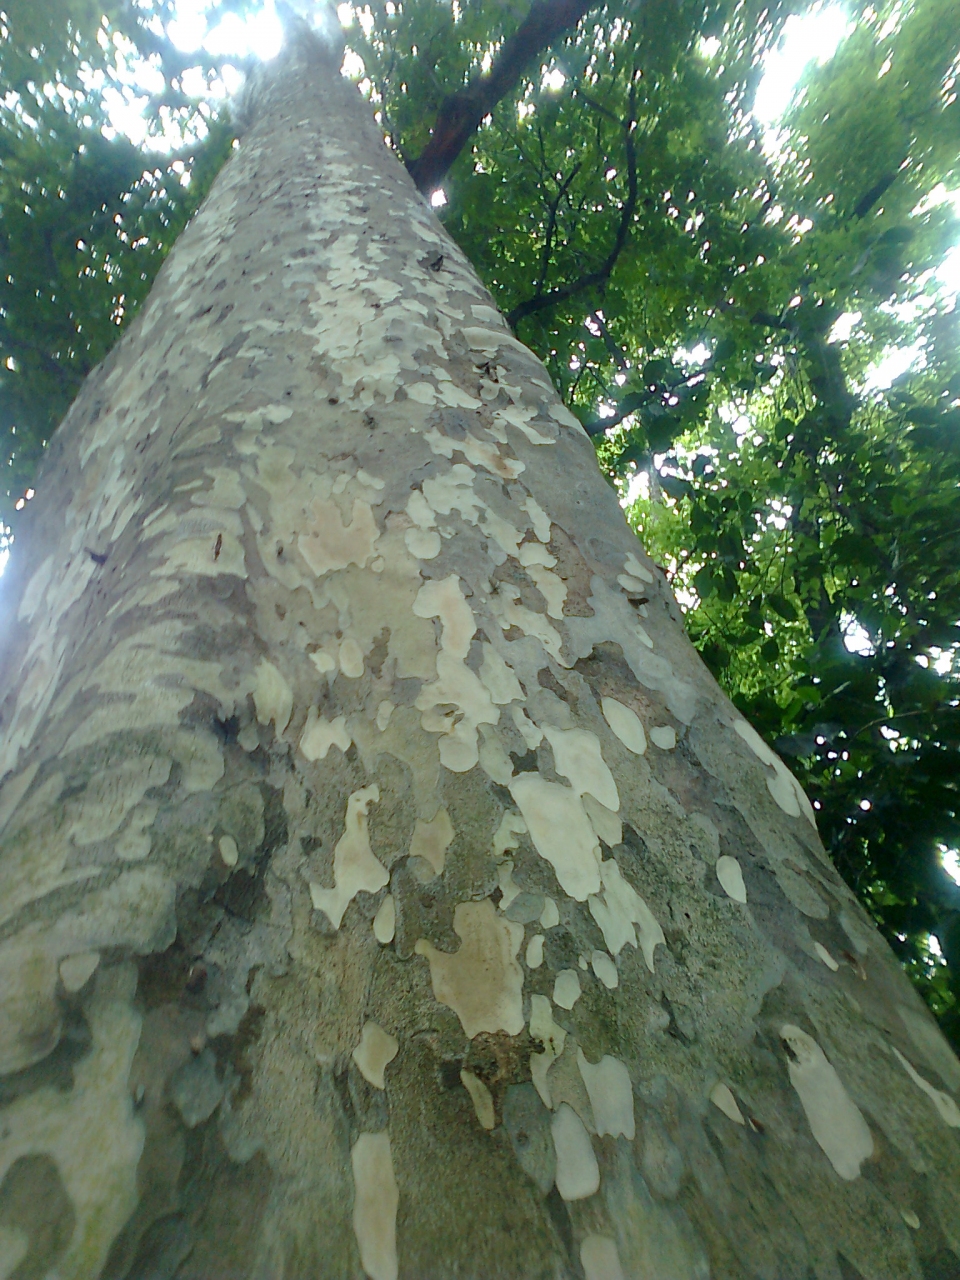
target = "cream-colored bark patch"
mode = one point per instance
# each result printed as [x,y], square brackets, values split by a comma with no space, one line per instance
[550,915]
[456,703]
[731,878]
[783,786]
[385,921]
[560,831]
[633,566]
[432,839]
[552,1036]
[566,988]
[77,970]
[482,982]
[228,851]
[330,544]
[577,756]
[626,724]
[319,735]
[355,868]
[947,1109]
[611,1095]
[664,736]
[481,1098]
[90,1126]
[375,1200]
[607,825]
[721,1095]
[621,912]
[834,1118]
[599,1259]
[824,956]
[498,678]
[350,658]
[534,952]
[578,1174]
[605,969]
[376,1050]
[272,696]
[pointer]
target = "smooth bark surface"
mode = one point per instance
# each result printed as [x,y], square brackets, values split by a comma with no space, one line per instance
[386,887]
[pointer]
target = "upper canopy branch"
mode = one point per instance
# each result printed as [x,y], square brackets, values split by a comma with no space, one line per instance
[461,113]
[593,279]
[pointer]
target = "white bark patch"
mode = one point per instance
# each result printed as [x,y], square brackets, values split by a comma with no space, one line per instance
[577,757]
[578,1174]
[605,969]
[930,1044]
[30,1019]
[456,685]
[599,1259]
[566,988]
[607,825]
[947,1109]
[551,587]
[228,851]
[800,893]
[620,912]
[330,544]
[272,696]
[376,1050]
[498,678]
[721,1095]
[509,613]
[375,1200]
[553,1037]
[731,878]
[110,795]
[824,956]
[633,566]
[784,787]
[481,1098]
[423,544]
[350,658]
[477,452]
[77,970]
[432,839]
[534,952]
[550,915]
[663,736]
[515,416]
[482,982]
[385,921]
[561,832]
[319,735]
[625,724]
[355,869]
[611,1095]
[834,1118]
[91,1126]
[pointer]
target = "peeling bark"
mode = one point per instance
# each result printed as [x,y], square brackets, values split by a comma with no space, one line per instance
[387,888]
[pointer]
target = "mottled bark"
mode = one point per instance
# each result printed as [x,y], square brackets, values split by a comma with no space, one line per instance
[386,886]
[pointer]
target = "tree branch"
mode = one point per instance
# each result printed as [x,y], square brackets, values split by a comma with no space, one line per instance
[591,279]
[461,113]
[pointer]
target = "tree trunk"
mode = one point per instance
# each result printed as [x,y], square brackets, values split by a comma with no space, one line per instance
[387,888]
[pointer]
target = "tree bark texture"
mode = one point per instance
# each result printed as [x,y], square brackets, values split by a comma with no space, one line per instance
[386,887]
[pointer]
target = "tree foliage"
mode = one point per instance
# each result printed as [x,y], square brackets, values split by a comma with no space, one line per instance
[712,297]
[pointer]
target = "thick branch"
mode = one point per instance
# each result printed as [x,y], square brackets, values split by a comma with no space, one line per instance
[460,115]
[591,279]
